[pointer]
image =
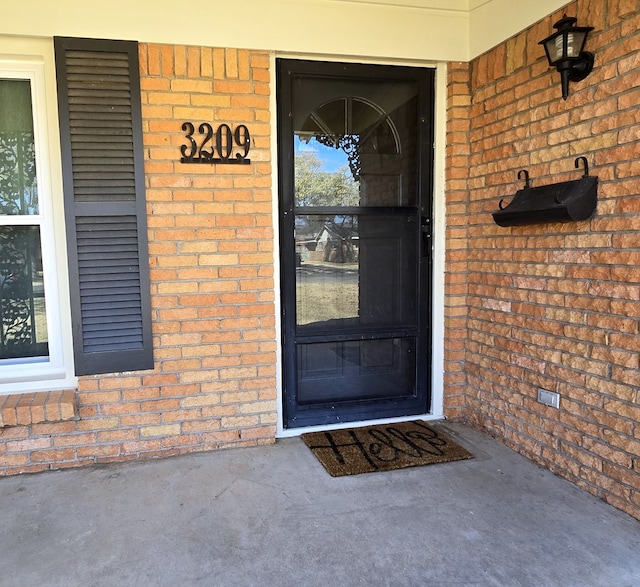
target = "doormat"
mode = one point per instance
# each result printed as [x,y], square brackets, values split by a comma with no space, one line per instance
[382,448]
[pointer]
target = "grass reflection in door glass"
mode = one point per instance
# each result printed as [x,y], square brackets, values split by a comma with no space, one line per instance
[327,273]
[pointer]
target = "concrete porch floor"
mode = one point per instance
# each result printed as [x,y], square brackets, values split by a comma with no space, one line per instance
[273,516]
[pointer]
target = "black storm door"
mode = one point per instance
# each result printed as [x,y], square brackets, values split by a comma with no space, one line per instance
[355,153]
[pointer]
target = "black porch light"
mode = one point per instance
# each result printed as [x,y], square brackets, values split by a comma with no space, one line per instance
[565,52]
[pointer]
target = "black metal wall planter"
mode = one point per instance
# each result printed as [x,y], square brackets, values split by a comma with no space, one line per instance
[558,202]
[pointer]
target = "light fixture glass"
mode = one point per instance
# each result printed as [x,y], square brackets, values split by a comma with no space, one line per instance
[565,51]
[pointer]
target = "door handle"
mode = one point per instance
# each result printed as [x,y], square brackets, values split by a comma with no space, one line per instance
[425,229]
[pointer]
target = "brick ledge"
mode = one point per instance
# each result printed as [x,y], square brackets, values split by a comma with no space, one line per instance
[34,408]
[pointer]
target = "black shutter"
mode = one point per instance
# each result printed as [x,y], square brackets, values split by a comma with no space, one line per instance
[102,163]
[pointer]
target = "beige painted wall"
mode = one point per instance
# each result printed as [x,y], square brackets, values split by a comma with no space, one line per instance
[424,30]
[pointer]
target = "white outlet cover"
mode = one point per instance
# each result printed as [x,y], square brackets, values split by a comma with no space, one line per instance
[549,398]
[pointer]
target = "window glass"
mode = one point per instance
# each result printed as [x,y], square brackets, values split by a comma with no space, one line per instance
[23,324]
[18,186]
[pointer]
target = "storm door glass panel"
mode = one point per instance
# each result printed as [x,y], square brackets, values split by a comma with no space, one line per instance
[355,143]
[355,272]
[357,369]
[23,325]
[352,232]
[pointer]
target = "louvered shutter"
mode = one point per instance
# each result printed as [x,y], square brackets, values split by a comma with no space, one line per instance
[101,138]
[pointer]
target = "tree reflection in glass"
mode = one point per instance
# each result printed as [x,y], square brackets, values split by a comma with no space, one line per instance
[23,328]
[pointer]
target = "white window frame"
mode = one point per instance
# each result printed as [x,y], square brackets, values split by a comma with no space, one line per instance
[32,59]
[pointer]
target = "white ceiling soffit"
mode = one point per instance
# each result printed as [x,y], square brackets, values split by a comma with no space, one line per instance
[448,5]
[390,30]
[489,22]
[493,21]
[404,30]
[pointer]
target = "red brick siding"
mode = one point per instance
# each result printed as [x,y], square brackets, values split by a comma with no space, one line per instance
[212,283]
[556,306]
[456,262]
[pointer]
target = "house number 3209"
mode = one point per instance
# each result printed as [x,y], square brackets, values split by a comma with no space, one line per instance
[230,146]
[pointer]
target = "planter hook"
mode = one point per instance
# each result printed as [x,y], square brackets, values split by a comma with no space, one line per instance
[585,163]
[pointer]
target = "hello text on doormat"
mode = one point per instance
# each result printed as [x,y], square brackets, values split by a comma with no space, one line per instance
[382,448]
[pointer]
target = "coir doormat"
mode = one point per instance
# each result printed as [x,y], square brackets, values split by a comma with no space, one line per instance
[382,448]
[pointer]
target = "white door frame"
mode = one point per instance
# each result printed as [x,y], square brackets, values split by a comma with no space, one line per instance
[438,243]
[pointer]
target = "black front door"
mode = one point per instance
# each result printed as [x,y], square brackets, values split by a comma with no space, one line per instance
[355,153]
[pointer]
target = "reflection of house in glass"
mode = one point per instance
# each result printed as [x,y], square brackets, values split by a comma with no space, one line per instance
[331,239]
[327,255]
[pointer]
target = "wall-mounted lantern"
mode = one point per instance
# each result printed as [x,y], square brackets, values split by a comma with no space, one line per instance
[565,52]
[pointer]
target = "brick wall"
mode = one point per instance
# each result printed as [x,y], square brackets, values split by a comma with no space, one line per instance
[555,306]
[212,284]
[458,153]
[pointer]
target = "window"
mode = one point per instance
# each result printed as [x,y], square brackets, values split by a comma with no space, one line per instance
[33,323]
[73,246]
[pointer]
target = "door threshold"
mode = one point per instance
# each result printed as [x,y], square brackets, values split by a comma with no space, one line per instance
[292,432]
